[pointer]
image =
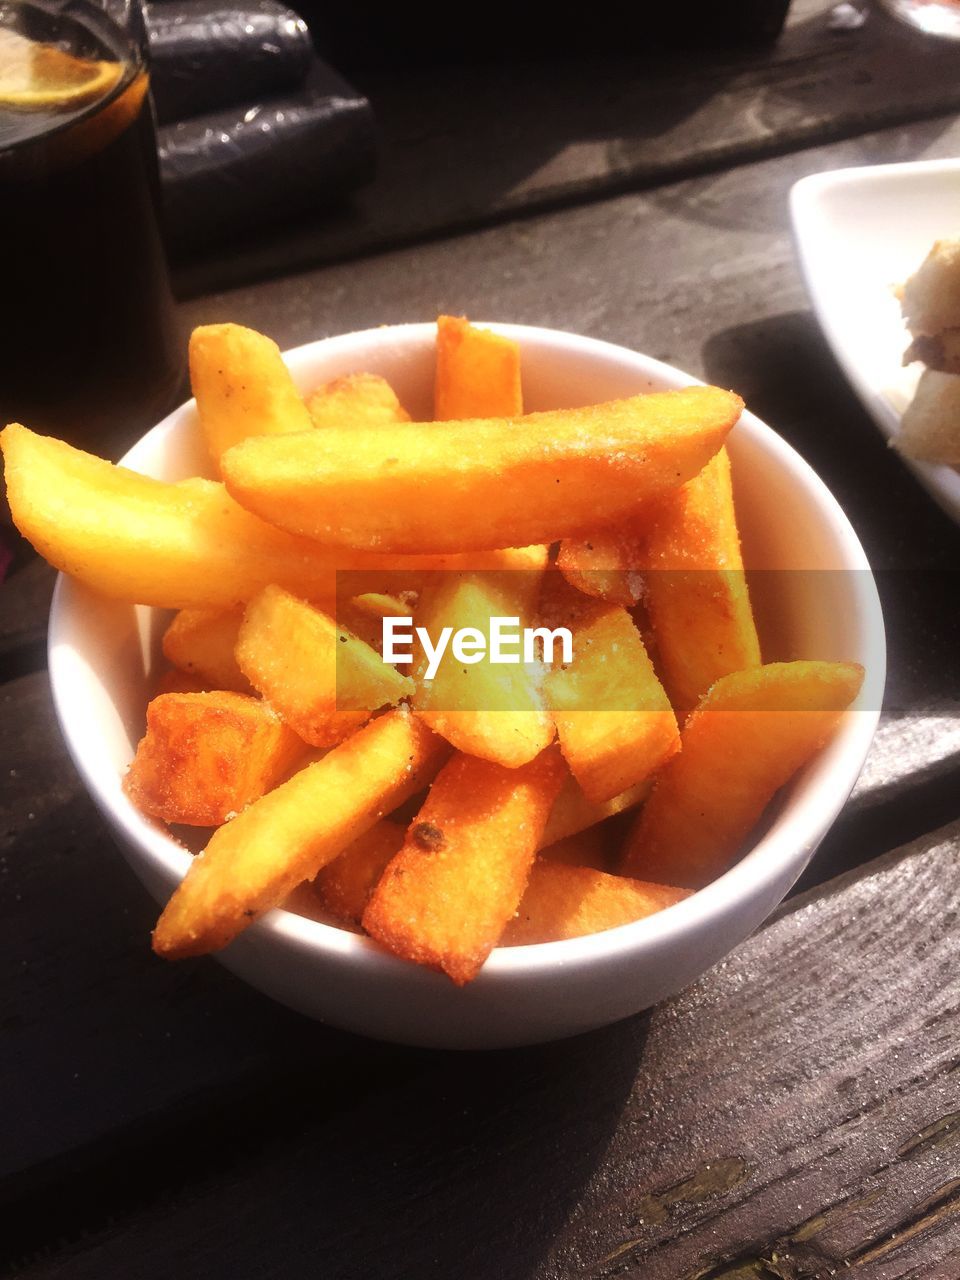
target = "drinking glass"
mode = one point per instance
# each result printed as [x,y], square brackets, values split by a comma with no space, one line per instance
[88,348]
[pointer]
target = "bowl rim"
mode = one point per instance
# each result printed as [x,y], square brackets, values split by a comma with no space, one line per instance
[829,779]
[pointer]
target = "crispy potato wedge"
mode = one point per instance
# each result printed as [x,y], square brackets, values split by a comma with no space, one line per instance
[589,848]
[175,546]
[355,399]
[242,387]
[607,564]
[324,681]
[254,861]
[206,756]
[573,812]
[445,898]
[501,482]
[696,588]
[174,681]
[379,605]
[614,720]
[748,736]
[478,372]
[486,709]
[363,615]
[201,643]
[681,555]
[563,901]
[345,884]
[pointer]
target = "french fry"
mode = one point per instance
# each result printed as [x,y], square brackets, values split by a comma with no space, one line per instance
[696,588]
[681,555]
[478,372]
[206,756]
[607,564]
[345,884]
[589,848]
[378,605]
[324,681]
[614,721]
[564,901]
[253,862]
[175,546]
[748,736]
[242,387]
[175,681]
[490,482]
[201,643]
[363,614]
[573,812]
[487,709]
[354,399]
[445,898]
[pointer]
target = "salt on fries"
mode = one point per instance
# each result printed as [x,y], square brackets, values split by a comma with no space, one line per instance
[482,806]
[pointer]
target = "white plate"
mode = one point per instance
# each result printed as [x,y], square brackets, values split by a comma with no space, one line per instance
[859,233]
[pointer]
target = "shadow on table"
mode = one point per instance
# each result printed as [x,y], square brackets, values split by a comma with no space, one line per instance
[788,376]
[172,1099]
[472,1168]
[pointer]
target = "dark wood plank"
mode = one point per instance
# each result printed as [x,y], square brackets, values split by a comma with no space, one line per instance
[464,145]
[24,604]
[793,1114]
[100,1033]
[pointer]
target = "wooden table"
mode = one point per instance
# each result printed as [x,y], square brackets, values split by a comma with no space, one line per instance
[795,1113]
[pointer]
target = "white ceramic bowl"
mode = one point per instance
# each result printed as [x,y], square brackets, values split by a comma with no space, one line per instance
[101,653]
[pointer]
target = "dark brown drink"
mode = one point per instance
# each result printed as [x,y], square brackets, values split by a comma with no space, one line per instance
[88,348]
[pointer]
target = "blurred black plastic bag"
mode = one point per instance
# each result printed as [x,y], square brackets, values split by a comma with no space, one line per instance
[205,55]
[230,171]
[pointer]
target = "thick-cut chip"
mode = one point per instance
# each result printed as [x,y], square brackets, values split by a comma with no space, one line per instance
[614,721]
[573,812]
[445,898]
[488,709]
[481,482]
[364,614]
[201,642]
[749,735]
[324,681]
[590,848]
[379,605]
[254,861]
[606,564]
[568,902]
[696,588]
[680,554]
[206,756]
[355,399]
[242,387]
[174,546]
[478,372]
[345,884]
[174,681]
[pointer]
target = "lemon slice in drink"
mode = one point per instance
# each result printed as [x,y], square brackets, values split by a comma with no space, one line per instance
[41,77]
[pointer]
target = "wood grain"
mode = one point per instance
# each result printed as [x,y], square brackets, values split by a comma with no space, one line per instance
[793,1114]
[462,146]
